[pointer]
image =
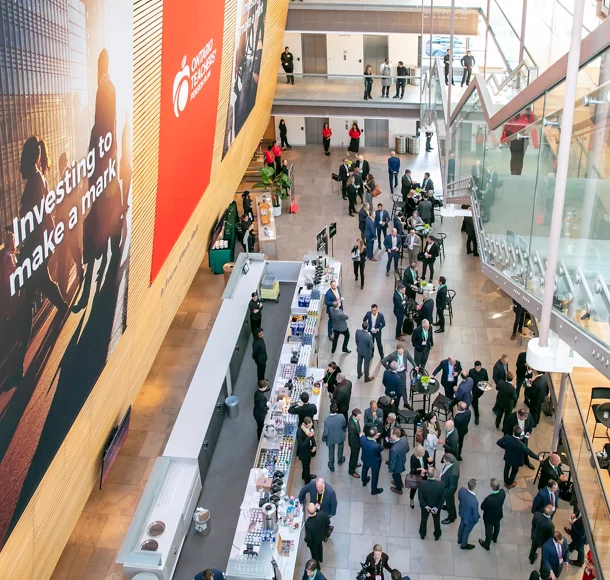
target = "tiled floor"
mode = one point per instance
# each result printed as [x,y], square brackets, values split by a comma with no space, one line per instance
[481,329]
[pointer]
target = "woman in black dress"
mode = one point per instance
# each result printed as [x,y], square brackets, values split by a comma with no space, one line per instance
[284,135]
[354,134]
[330,378]
[359,260]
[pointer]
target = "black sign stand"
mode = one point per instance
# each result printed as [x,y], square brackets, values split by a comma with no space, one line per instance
[332,232]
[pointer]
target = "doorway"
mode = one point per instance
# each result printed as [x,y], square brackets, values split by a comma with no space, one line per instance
[314,54]
[313,130]
[375,51]
[376,132]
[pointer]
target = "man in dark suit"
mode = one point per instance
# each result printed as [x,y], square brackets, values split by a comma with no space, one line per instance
[514,453]
[354,432]
[579,539]
[371,459]
[399,300]
[394,385]
[461,421]
[493,513]
[477,374]
[450,476]
[316,531]
[343,394]
[303,408]
[427,184]
[451,368]
[471,238]
[255,306]
[343,177]
[551,469]
[333,294]
[339,320]
[451,442]
[422,341]
[261,406]
[548,495]
[543,528]
[392,244]
[506,398]
[382,219]
[376,322]
[431,496]
[500,369]
[401,357]
[426,308]
[522,419]
[469,514]
[410,279]
[521,368]
[322,495]
[259,354]
[441,304]
[362,215]
[555,554]
[463,391]
[369,237]
[364,348]
[537,393]
[398,458]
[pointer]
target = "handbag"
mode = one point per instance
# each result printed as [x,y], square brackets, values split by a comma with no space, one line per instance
[412,481]
[420,256]
[376,191]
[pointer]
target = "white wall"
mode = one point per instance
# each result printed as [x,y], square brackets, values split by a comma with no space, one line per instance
[293,41]
[403,47]
[340,132]
[295,129]
[345,54]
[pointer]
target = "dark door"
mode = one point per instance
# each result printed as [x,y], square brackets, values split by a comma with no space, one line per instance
[240,349]
[376,132]
[314,54]
[313,130]
[213,432]
[375,51]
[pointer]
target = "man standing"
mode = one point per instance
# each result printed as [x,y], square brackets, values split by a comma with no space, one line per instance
[333,294]
[321,494]
[543,528]
[261,406]
[441,304]
[422,342]
[370,232]
[392,245]
[451,442]
[467,62]
[288,65]
[471,239]
[463,392]
[426,308]
[469,513]
[431,496]
[303,408]
[385,70]
[334,434]
[410,279]
[461,421]
[500,369]
[343,394]
[413,245]
[448,62]
[393,166]
[555,555]
[371,459]
[255,306]
[505,399]
[339,323]
[537,393]
[429,140]
[363,213]
[316,531]
[519,319]
[451,368]
[398,459]
[400,303]
[376,323]
[400,356]
[343,177]
[522,419]
[382,219]
[514,453]
[548,495]
[365,348]
[477,374]
[354,432]
[450,476]
[427,184]
[579,538]
[259,354]
[401,79]
[393,384]
[493,513]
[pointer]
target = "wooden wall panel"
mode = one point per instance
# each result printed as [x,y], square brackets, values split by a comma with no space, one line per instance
[40,536]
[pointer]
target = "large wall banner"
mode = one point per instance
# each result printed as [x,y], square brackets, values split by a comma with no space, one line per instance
[65,216]
[190,81]
[249,41]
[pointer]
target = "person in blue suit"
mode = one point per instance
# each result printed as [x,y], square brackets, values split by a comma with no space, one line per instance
[382,219]
[393,170]
[392,244]
[398,225]
[555,554]
[333,294]
[451,368]
[394,385]
[399,300]
[514,455]
[548,495]
[370,233]
[469,514]
[464,390]
[376,322]
[210,574]
[579,538]
[371,459]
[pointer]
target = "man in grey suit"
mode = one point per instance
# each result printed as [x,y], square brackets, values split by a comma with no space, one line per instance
[398,458]
[339,320]
[334,435]
[364,347]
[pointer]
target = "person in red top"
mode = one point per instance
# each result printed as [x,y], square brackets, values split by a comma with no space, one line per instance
[269,157]
[354,143]
[589,571]
[326,133]
[277,154]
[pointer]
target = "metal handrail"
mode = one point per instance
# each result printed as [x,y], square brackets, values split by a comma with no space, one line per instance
[464,183]
[338,76]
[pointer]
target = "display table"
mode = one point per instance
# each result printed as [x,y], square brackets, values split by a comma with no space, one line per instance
[267,235]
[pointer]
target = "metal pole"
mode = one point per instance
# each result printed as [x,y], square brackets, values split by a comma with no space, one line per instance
[523,21]
[561,401]
[430,71]
[449,107]
[563,161]
[421,55]
[486,39]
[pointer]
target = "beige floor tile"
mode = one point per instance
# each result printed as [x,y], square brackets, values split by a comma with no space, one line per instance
[114,531]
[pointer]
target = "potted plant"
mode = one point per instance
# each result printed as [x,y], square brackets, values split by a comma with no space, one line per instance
[277,185]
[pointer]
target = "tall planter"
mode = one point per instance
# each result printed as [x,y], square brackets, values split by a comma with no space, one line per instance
[277,185]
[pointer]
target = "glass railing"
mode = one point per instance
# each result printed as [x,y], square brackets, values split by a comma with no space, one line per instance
[513,170]
[348,88]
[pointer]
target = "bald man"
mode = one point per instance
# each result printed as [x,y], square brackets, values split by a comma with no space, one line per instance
[551,469]
[316,531]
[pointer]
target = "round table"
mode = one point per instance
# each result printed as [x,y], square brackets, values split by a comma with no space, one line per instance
[425,393]
[602,414]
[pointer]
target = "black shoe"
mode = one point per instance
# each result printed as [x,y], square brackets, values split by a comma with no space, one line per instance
[332,352]
[341,461]
[437,538]
[377,491]
[447,521]
[476,255]
[346,351]
[468,547]
[459,458]
[436,324]
[532,560]
[395,97]
[331,468]
[575,563]
[423,537]
[468,252]
[476,421]
[439,331]
[365,481]
[482,544]
[528,464]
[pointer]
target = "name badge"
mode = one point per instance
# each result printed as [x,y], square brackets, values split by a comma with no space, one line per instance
[424,342]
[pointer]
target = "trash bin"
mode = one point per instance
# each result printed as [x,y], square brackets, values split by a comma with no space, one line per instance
[227,270]
[413,144]
[145,576]
[415,72]
[203,521]
[232,404]
[401,144]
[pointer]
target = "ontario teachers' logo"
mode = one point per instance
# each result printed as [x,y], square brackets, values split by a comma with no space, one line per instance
[181,88]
